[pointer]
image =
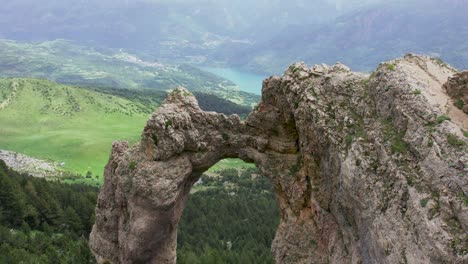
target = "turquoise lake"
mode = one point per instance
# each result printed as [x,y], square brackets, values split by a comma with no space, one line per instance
[247,82]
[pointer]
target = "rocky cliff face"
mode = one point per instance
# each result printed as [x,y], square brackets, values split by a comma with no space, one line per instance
[457,88]
[366,169]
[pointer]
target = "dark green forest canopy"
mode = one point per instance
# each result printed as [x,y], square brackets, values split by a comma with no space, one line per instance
[43,221]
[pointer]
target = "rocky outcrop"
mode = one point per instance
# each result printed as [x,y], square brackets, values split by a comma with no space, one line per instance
[366,169]
[24,164]
[457,88]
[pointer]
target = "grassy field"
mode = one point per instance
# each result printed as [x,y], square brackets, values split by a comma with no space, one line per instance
[66,124]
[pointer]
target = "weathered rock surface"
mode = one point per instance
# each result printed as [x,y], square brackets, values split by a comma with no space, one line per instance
[24,164]
[363,169]
[457,88]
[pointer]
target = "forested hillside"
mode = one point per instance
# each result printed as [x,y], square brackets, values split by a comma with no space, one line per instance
[228,219]
[43,222]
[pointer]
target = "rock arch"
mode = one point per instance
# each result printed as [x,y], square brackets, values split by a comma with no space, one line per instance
[150,182]
[344,196]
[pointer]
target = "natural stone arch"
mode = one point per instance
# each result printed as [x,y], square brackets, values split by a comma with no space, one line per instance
[319,134]
[150,182]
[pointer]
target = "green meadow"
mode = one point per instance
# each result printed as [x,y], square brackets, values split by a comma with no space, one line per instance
[66,124]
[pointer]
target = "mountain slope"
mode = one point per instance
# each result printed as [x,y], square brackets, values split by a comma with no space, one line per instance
[65,124]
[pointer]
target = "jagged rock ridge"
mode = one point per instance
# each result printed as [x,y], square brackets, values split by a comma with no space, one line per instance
[366,169]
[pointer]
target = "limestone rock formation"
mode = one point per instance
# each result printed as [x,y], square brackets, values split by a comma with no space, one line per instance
[366,169]
[457,88]
[32,166]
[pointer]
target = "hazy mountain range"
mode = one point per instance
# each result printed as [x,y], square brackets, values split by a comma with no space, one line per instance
[263,36]
[364,38]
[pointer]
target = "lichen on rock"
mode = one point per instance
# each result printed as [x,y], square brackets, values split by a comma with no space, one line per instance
[362,170]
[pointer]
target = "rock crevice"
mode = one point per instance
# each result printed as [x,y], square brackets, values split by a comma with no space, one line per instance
[363,168]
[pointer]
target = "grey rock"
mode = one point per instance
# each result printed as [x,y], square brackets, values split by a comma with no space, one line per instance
[457,88]
[32,166]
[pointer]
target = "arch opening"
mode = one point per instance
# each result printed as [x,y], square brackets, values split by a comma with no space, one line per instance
[231,216]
